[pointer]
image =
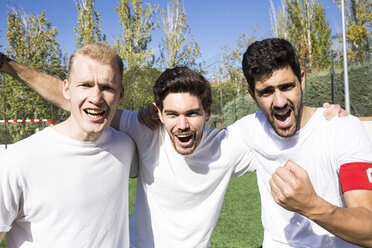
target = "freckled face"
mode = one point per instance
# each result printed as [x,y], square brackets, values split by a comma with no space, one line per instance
[94,90]
[280,99]
[184,118]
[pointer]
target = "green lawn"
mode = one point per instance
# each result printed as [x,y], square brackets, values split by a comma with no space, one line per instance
[3,244]
[239,224]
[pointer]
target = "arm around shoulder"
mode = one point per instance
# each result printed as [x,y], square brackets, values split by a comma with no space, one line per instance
[115,122]
[49,87]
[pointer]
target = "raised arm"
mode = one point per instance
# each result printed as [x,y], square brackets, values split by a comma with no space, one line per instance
[49,87]
[292,189]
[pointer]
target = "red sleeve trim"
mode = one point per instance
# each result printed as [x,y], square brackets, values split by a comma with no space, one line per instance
[355,176]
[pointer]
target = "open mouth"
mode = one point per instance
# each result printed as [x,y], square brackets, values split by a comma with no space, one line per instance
[283,118]
[94,113]
[184,138]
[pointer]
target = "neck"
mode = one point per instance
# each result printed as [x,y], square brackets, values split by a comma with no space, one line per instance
[307,112]
[70,129]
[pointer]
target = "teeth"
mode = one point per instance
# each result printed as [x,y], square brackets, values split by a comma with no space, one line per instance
[282,112]
[183,135]
[94,111]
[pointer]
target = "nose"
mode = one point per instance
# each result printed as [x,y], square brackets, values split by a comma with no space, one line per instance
[183,123]
[95,95]
[279,100]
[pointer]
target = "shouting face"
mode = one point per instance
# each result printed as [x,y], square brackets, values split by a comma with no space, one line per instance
[184,118]
[94,90]
[280,99]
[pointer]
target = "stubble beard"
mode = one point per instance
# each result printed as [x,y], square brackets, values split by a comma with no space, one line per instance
[296,109]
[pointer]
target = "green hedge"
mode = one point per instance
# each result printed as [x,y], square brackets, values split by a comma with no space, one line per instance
[318,91]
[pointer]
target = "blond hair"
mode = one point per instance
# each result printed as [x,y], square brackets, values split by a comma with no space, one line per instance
[100,52]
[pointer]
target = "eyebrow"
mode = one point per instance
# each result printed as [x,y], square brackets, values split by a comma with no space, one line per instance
[272,87]
[170,111]
[260,92]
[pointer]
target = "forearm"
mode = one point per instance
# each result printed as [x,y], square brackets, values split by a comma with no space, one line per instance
[115,122]
[1,236]
[49,87]
[353,225]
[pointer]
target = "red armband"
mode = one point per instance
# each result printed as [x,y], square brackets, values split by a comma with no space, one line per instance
[356,176]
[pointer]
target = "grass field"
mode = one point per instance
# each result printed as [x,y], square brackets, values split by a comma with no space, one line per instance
[239,224]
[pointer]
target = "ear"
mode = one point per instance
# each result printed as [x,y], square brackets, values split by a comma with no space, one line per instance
[160,114]
[208,114]
[252,94]
[302,80]
[121,93]
[66,89]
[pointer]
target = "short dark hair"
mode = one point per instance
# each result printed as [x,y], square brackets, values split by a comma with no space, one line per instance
[180,80]
[264,57]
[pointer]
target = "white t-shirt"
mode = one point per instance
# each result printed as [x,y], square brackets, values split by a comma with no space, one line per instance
[60,192]
[321,147]
[179,197]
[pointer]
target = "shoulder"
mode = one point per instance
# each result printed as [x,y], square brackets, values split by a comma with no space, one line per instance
[118,144]
[348,123]
[29,144]
[118,137]
[247,126]
[250,118]
[349,135]
[130,124]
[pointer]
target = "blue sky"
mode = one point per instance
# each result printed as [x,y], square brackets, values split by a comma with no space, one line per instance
[213,23]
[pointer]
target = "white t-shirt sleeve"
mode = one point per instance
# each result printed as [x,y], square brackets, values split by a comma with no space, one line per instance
[351,142]
[129,124]
[245,161]
[10,193]
[134,165]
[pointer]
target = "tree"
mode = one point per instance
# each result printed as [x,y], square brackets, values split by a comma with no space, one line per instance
[358,33]
[32,42]
[178,46]
[304,24]
[137,99]
[88,27]
[300,27]
[135,37]
[230,70]
[321,37]
[279,20]
[132,45]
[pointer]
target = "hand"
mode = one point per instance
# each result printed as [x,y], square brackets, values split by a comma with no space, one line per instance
[332,110]
[3,59]
[149,116]
[292,189]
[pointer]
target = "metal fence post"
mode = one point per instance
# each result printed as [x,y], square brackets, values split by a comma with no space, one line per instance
[333,79]
[4,109]
[305,82]
[221,104]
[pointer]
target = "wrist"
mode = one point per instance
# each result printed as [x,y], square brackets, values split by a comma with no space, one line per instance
[321,210]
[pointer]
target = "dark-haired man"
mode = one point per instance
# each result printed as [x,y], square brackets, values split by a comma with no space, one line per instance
[319,170]
[184,167]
